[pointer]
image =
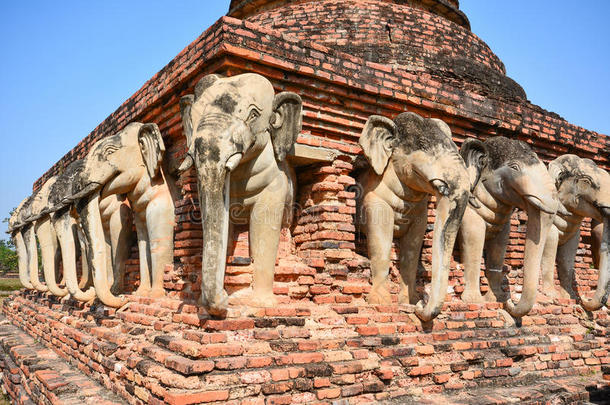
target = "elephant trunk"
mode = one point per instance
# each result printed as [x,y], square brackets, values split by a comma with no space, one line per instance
[23,260]
[32,249]
[91,222]
[214,203]
[449,212]
[538,226]
[601,291]
[48,250]
[65,228]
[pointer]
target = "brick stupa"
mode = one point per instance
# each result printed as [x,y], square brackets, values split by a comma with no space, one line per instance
[347,59]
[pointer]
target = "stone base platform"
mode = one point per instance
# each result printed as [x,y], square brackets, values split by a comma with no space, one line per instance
[167,351]
[31,373]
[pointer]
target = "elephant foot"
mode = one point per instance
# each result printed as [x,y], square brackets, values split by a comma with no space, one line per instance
[263,300]
[472,297]
[405,299]
[217,307]
[548,294]
[157,293]
[379,296]
[567,293]
[142,292]
[490,296]
[117,289]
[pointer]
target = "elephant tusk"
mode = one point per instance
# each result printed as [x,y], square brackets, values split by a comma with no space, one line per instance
[233,161]
[441,186]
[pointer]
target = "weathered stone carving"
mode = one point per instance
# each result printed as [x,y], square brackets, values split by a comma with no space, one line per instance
[238,134]
[584,189]
[89,208]
[411,158]
[47,239]
[510,176]
[16,227]
[70,236]
[126,164]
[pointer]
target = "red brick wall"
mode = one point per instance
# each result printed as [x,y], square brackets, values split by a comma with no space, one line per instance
[339,92]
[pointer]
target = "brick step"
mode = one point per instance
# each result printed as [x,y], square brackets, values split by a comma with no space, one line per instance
[568,390]
[31,372]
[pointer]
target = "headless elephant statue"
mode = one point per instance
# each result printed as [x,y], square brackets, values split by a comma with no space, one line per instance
[238,133]
[508,175]
[411,158]
[584,190]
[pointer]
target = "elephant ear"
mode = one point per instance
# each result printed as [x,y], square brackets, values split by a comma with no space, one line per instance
[186,103]
[285,123]
[152,148]
[475,156]
[376,141]
[558,173]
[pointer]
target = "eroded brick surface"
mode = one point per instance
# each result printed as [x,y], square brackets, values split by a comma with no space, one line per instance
[32,373]
[388,355]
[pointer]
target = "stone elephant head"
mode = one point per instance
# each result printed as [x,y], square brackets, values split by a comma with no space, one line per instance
[238,133]
[584,189]
[411,158]
[510,176]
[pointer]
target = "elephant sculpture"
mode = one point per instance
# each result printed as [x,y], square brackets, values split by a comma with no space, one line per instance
[30,222]
[70,236]
[238,133]
[121,173]
[89,207]
[509,175]
[410,159]
[47,240]
[584,189]
[16,228]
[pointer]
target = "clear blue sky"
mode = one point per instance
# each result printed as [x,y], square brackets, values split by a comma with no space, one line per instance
[66,65]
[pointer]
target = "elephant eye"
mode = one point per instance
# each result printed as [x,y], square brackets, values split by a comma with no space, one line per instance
[109,150]
[253,114]
[514,165]
[585,180]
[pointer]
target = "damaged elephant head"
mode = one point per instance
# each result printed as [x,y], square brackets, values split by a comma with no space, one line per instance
[423,157]
[228,122]
[584,189]
[512,175]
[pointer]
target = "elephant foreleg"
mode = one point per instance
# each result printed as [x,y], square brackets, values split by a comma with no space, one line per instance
[472,242]
[65,228]
[22,257]
[119,235]
[91,222]
[495,252]
[566,254]
[86,279]
[32,249]
[410,249]
[548,263]
[379,229]
[160,221]
[265,226]
[144,288]
[48,249]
